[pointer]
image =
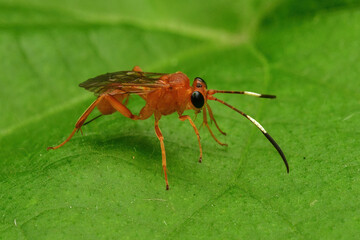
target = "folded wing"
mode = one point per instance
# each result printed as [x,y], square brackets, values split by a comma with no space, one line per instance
[126,81]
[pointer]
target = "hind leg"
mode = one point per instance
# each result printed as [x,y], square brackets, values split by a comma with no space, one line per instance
[145,112]
[106,108]
[80,122]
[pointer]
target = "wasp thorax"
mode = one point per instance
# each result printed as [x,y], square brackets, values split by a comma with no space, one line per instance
[197,99]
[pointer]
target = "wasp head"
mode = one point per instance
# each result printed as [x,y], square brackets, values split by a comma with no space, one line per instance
[198,96]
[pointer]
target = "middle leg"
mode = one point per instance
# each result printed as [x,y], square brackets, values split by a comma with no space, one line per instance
[163,154]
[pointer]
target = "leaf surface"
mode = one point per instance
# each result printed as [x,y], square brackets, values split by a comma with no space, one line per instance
[109,183]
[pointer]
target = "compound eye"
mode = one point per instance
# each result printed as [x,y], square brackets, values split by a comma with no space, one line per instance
[201,80]
[197,99]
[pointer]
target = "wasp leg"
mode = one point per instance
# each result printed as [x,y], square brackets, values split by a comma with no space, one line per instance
[121,107]
[213,119]
[183,118]
[208,127]
[163,155]
[80,122]
[145,112]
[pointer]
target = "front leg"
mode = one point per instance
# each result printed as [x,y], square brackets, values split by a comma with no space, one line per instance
[183,118]
[208,127]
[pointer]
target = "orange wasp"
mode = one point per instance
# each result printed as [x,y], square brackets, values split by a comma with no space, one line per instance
[164,94]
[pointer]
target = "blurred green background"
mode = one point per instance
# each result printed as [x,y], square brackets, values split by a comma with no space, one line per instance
[108,184]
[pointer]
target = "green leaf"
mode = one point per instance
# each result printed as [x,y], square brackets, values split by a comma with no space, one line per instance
[109,184]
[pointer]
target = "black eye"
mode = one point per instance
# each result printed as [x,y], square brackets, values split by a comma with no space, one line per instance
[201,80]
[197,99]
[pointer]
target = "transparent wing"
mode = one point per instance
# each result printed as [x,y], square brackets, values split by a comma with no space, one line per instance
[127,81]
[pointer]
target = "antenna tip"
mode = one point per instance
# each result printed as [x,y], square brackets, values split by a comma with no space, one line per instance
[267,96]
